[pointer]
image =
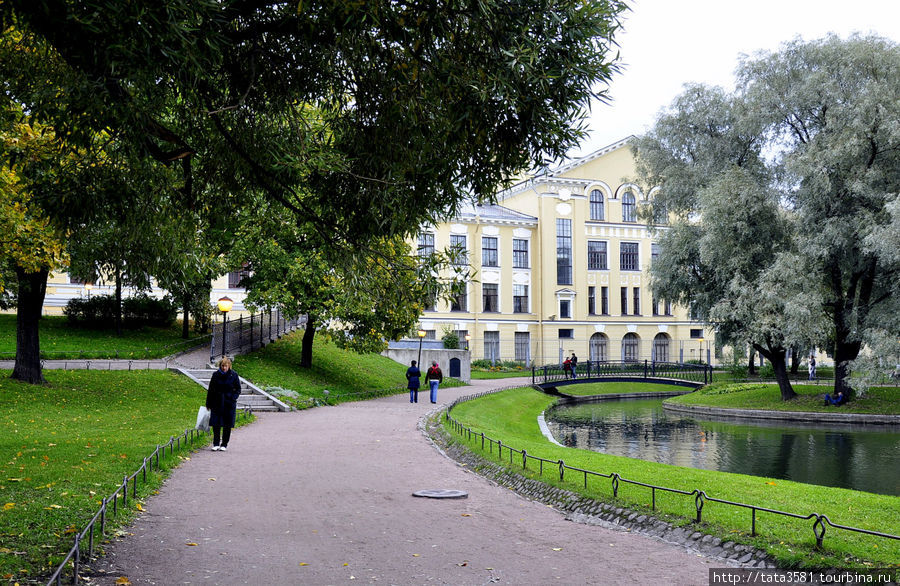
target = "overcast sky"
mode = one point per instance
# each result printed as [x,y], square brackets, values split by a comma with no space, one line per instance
[667,43]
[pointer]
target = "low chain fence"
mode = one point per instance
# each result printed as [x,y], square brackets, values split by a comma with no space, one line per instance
[559,467]
[83,548]
[245,334]
[686,371]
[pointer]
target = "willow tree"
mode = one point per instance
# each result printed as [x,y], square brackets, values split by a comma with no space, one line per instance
[819,122]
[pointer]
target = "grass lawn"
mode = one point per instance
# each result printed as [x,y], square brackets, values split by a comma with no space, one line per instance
[879,400]
[491,375]
[61,339]
[510,416]
[342,372]
[617,387]
[66,445]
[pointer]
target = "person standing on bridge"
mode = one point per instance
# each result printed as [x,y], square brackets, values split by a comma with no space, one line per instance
[221,400]
[574,361]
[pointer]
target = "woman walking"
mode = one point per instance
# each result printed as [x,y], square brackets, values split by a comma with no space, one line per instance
[412,376]
[434,377]
[221,400]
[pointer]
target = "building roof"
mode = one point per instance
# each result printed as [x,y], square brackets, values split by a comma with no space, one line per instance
[492,212]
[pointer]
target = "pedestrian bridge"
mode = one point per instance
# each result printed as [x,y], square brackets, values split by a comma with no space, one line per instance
[674,373]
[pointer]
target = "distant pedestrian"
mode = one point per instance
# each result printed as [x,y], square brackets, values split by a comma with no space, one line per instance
[567,366]
[434,377]
[412,376]
[812,367]
[221,400]
[574,361]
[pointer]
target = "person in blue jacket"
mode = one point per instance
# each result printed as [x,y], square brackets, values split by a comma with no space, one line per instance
[412,376]
[221,400]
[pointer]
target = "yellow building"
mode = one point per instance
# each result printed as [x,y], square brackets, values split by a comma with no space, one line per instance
[561,266]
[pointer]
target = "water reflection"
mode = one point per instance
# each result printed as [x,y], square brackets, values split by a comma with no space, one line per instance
[859,457]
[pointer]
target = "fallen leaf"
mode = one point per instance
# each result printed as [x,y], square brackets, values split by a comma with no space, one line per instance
[303,564]
[213,479]
[466,515]
[55,507]
[415,555]
[463,564]
[557,549]
[8,506]
[123,581]
[14,479]
[771,483]
[346,564]
[139,507]
[190,543]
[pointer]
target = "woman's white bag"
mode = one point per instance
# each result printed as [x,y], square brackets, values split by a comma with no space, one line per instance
[203,418]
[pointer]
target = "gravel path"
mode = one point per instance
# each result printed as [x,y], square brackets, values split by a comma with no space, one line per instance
[324,496]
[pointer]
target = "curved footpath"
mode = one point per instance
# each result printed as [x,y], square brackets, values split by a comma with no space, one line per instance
[324,496]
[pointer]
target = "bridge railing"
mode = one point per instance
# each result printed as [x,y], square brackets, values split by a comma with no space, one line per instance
[646,369]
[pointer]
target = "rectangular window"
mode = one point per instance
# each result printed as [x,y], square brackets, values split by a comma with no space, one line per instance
[489,297]
[637,300]
[460,301]
[520,253]
[597,255]
[592,301]
[696,333]
[668,308]
[492,346]
[520,298]
[463,343]
[489,257]
[654,252]
[624,299]
[523,346]
[458,251]
[430,334]
[566,333]
[563,251]
[235,278]
[565,308]
[628,256]
[654,303]
[426,244]
[604,300]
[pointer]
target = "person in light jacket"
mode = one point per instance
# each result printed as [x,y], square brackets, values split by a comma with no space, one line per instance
[221,400]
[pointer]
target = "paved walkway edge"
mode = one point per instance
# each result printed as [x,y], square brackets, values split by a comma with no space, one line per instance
[580,509]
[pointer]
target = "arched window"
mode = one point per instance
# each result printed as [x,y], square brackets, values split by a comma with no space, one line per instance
[661,347]
[631,347]
[599,348]
[597,205]
[628,207]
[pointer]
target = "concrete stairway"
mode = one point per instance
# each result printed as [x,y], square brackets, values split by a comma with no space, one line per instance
[251,395]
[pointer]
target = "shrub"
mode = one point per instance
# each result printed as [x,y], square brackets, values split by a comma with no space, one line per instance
[451,341]
[93,312]
[99,311]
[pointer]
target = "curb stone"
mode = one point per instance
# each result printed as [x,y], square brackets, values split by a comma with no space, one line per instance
[580,509]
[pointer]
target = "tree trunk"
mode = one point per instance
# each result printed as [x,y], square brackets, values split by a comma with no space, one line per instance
[777,357]
[795,359]
[844,352]
[32,289]
[306,348]
[118,300]
[185,323]
[751,364]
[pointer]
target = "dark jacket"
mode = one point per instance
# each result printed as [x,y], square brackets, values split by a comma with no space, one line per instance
[222,396]
[434,373]
[412,375]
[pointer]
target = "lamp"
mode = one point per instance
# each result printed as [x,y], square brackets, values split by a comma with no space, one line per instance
[468,337]
[225,304]
[88,287]
[421,334]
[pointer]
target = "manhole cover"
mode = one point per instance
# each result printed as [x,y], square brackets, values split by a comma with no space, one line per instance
[442,493]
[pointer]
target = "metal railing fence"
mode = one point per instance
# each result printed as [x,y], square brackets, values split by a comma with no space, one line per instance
[698,373]
[245,334]
[700,497]
[121,493]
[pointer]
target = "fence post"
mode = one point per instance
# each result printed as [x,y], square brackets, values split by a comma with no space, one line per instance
[645,368]
[240,332]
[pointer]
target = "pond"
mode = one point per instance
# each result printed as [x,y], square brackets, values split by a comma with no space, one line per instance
[859,457]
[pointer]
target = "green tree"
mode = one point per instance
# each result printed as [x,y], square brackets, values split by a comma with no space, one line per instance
[808,130]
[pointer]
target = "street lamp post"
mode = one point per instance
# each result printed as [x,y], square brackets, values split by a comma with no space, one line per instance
[468,338]
[701,350]
[88,287]
[421,337]
[225,304]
